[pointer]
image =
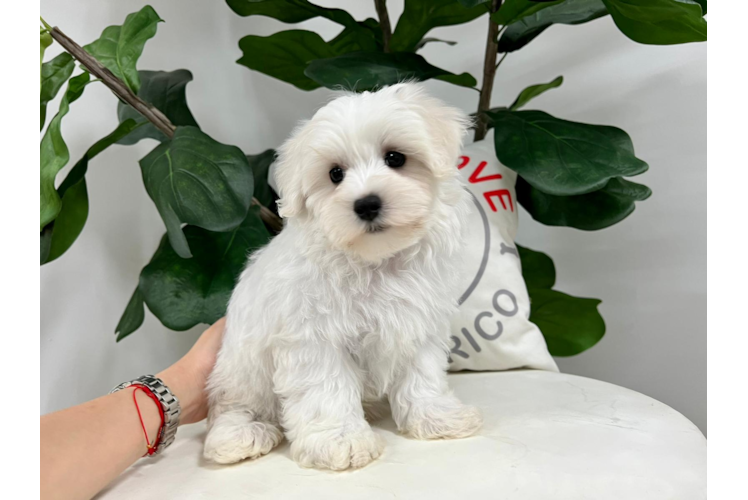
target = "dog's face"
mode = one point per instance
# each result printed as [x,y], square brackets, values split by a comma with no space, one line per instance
[367,169]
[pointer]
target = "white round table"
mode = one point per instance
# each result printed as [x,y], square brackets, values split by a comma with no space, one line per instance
[546,436]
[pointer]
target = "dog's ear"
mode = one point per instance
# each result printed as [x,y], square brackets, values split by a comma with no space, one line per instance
[288,173]
[447,126]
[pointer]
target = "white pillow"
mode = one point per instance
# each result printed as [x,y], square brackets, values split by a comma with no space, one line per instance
[491,330]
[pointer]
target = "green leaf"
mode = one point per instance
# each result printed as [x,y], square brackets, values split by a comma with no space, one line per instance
[592,211]
[703,5]
[421,16]
[54,154]
[534,91]
[522,32]
[185,292]
[562,157]
[424,41]
[45,40]
[569,324]
[120,47]
[368,70]
[54,74]
[195,180]
[472,3]
[289,11]
[166,91]
[512,11]
[260,165]
[70,221]
[462,80]
[285,55]
[366,36]
[537,268]
[133,316]
[659,22]
[46,240]
[59,235]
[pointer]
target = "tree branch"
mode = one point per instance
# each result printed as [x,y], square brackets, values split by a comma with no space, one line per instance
[384,22]
[268,216]
[489,72]
[116,85]
[152,114]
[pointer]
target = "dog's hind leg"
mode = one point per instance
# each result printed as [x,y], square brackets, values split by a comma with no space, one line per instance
[243,414]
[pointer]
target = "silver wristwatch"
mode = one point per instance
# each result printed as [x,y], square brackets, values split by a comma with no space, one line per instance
[169,403]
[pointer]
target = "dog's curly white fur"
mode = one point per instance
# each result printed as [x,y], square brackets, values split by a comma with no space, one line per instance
[338,312]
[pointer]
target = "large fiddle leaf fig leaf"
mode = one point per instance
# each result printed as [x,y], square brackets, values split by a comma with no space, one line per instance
[133,316]
[166,91]
[512,11]
[184,292]
[534,91]
[569,324]
[592,211]
[69,223]
[366,36]
[285,55]
[367,70]
[421,16]
[260,165]
[54,154]
[54,75]
[472,3]
[659,22]
[538,270]
[195,180]
[289,11]
[522,32]
[59,235]
[562,157]
[119,47]
[356,35]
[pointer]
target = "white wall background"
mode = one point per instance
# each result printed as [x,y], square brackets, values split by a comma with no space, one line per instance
[650,270]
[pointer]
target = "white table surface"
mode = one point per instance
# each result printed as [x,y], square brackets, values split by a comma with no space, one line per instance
[546,436]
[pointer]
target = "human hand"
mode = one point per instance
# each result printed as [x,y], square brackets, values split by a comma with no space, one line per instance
[187,377]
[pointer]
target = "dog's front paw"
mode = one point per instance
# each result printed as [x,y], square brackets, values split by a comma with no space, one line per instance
[337,450]
[443,419]
[234,436]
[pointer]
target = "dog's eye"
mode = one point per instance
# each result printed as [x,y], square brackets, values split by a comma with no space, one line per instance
[336,175]
[394,159]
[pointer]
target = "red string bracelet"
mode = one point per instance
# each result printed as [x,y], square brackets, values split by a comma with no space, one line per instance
[152,447]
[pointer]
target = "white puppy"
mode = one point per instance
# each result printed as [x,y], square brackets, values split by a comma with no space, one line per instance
[349,306]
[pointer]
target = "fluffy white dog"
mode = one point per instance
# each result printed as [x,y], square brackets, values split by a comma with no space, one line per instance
[349,306]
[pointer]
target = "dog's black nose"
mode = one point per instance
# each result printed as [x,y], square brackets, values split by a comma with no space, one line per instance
[368,207]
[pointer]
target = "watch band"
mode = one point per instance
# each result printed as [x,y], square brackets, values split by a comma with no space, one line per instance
[169,403]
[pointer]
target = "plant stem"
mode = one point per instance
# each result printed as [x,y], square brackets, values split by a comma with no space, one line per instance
[501,60]
[150,113]
[268,216]
[489,72]
[115,84]
[384,22]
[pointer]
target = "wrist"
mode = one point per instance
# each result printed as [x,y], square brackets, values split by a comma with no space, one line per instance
[187,390]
